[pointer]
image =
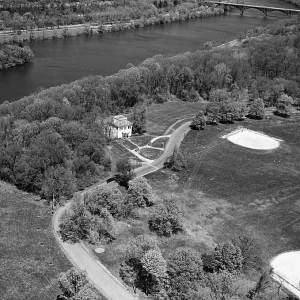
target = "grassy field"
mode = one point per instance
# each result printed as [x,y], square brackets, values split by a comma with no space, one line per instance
[161,116]
[30,259]
[229,190]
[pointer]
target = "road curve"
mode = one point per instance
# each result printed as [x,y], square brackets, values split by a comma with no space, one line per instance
[108,285]
[103,280]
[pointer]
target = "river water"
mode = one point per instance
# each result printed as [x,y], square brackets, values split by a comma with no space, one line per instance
[62,61]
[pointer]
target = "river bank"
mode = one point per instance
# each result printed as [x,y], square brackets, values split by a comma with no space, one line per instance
[99,28]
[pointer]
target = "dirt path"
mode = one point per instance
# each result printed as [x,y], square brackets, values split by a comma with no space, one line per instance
[107,284]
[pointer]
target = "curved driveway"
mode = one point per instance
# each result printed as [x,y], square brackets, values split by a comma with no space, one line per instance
[80,256]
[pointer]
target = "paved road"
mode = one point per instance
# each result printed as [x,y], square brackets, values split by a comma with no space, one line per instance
[107,284]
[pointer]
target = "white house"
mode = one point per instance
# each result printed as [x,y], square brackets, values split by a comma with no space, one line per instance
[118,127]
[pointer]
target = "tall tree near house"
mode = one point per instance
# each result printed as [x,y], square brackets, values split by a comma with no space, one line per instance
[124,172]
[139,120]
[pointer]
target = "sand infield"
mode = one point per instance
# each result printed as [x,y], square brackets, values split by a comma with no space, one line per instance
[286,270]
[252,139]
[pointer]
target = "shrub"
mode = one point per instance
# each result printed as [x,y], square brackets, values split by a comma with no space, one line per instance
[284,106]
[224,257]
[199,122]
[140,193]
[185,272]
[106,197]
[166,219]
[257,109]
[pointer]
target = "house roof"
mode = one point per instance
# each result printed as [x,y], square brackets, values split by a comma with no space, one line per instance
[119,121]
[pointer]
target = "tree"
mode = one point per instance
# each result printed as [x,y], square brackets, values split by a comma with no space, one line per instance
[87,293]
[139,193]
[76,224]
[124,172]
[74,286]
[224,257]
[257,109]
[213,113]
[102,228]
[251,252]
[199,122]
[154,272]
[185,272]
[284,106]
[226,112]
[139,120]
[166,219]
[219,95]
[176,162]
[220,285]
[104,197]
[58,181]
[222,76]
[71,282]
[263,283]
[131,269]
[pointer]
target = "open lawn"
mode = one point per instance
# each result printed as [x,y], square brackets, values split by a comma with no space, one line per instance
[150,153]
[229,190]
[30,259]
[161,116]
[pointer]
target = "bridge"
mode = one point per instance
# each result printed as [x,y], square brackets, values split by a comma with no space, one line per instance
[264,9]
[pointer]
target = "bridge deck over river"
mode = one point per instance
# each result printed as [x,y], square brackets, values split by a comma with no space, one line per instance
[265,9]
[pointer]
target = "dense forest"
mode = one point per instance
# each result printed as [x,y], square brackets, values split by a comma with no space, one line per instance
[12,55]
[53,141]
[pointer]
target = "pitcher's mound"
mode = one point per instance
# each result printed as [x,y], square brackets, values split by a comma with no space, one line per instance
[252,139]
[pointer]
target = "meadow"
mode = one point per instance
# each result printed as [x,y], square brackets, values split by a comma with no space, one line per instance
[30,260]
[227,190]
[161,116]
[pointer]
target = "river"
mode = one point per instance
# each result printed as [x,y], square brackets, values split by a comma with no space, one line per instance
[65,60]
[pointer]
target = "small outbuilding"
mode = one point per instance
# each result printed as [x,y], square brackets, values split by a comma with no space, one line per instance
[118,127]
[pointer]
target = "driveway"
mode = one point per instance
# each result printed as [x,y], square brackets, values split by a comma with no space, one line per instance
[81,257]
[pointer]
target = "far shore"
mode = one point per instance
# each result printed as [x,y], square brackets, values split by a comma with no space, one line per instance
[65,31]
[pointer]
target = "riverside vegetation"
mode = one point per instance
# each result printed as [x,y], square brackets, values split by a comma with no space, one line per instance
[12,55]
[42,21]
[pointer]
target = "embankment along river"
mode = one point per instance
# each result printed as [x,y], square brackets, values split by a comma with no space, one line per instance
[64,60]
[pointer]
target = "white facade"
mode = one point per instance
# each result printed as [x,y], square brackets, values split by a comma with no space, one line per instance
[118,127]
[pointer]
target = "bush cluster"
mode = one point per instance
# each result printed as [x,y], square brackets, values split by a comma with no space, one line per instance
[185,273]
[12,55]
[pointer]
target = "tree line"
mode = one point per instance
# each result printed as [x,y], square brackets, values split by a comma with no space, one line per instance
[30,15]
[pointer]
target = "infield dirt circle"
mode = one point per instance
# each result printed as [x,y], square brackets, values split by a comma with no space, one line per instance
[252,139]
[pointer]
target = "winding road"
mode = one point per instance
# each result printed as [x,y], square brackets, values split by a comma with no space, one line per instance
[81,257]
